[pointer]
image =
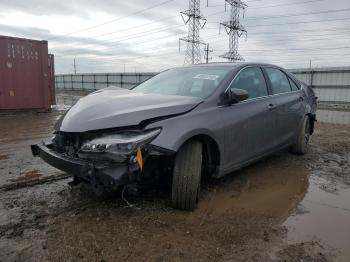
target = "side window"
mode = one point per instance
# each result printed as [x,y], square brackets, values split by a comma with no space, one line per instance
[279,81]
[252,80]
[293,85]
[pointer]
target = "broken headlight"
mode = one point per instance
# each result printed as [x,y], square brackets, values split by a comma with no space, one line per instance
[119,145]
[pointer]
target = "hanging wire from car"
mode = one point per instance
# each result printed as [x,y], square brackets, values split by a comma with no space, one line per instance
[126,201]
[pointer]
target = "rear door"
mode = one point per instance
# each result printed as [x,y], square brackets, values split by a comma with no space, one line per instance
[289,106]
[249,125]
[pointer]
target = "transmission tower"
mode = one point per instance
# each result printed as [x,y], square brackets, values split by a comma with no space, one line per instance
[234,29]
[195,21]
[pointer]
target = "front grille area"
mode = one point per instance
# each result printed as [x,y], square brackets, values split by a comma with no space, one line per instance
[69,143]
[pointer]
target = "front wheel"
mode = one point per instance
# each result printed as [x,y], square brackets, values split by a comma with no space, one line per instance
[187,176]
[301,145]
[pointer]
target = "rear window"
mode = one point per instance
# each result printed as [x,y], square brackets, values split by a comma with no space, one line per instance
[293,85]
[279,81]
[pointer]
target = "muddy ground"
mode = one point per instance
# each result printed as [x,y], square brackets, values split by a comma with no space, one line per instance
[284,208]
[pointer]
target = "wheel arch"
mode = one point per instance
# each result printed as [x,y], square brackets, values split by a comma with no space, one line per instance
[312,119]
[211,152]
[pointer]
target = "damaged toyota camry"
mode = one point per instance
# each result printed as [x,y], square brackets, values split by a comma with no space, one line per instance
[189,122]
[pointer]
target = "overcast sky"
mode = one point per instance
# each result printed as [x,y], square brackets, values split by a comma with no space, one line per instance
[110,35]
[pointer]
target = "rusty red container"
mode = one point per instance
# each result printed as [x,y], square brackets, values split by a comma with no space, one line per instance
[26,74]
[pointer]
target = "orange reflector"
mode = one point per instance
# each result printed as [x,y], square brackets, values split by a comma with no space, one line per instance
[139,158]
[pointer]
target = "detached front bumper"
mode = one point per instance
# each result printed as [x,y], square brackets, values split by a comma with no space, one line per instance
[102,177]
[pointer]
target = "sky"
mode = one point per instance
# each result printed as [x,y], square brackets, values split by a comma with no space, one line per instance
[143,35]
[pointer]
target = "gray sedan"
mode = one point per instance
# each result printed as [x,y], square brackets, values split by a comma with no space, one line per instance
[185,123]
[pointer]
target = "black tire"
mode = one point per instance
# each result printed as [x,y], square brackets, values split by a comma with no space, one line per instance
[187,176]
[301,145]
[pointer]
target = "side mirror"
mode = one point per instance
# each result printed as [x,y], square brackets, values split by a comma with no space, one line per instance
[235,95]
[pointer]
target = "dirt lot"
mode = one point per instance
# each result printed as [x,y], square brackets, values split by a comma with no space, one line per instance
[285,208]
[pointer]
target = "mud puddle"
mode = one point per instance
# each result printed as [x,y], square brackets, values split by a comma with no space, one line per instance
[324,216]
[265,190]
[17,132]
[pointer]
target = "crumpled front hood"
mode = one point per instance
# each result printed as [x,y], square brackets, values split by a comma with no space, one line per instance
[116,107]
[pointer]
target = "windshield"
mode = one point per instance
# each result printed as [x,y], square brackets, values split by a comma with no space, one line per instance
[195,82]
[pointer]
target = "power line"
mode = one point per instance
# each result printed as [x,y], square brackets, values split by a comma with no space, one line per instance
[303,22]
[130,28]
[258,33]
[138,26]
[157,50]
[300,22]
[288,23]
[301,31]
[116,19]
[151,55]
[167,28]
[215,36]
[299,14]
[286,4]
[145,33]
[298,49]
[289,40]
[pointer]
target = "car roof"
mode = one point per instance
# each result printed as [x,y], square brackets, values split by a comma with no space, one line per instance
[233,65]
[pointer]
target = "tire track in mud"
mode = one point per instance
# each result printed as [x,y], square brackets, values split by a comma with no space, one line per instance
[22,183]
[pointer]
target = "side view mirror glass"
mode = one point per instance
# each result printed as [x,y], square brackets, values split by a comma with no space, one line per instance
[235,95]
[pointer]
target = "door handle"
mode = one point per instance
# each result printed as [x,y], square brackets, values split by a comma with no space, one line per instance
[271,106]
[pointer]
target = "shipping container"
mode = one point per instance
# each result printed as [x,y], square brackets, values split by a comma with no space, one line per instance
[26,74]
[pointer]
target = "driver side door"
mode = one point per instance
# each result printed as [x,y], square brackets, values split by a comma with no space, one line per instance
[250,124]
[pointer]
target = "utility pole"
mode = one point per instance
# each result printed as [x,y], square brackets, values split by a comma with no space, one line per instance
[195,21]
[75,67]
[207,50]
[311,74]
[234,29]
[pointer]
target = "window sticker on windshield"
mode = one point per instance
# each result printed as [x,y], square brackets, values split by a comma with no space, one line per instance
[207,77]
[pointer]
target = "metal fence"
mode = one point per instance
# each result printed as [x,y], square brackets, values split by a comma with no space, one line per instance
[331,85]
[86,82]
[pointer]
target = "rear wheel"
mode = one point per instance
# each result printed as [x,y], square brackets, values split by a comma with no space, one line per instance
[187,176]
[302,142]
